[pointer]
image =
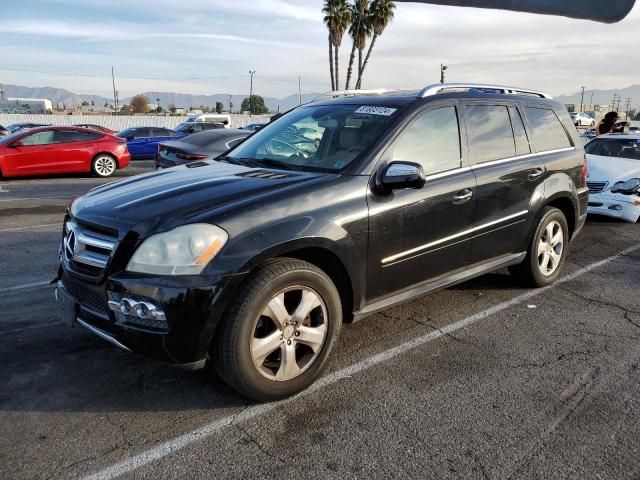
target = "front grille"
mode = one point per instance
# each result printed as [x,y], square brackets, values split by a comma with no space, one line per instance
[597,187]
[87,249]
[84,296]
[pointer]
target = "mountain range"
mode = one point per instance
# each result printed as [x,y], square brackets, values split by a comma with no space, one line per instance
[185,100]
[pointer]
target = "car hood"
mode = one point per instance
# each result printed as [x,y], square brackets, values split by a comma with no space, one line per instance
[193,193]
[611,169]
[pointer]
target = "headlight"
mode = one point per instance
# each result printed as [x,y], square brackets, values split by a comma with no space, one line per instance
[182,251]
[629,186]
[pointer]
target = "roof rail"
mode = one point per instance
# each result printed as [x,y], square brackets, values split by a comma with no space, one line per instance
[437,88]
[350,93]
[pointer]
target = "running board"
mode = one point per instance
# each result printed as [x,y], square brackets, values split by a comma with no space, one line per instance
[449,281]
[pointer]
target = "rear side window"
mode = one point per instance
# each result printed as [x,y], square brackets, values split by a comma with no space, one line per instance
[519,133]
[68,136]
[490,133]
[142,133]
[432,140]
[547,130]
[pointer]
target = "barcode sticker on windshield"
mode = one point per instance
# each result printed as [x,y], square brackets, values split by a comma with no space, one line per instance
[376,110]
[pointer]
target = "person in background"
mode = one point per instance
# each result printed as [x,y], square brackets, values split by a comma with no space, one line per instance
[608,123]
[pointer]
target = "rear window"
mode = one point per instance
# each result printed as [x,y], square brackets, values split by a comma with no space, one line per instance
[620,148]
[547,130]
[490,133]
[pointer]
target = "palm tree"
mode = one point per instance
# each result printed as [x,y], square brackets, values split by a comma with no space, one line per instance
[380,15]
[359,31]
[337,18]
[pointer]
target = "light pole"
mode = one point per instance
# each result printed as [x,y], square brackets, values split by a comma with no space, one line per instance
[582,99]
[158,109]
[252,73]
[443,68]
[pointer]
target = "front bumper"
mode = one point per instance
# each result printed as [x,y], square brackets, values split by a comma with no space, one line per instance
[617,205]
[191,308]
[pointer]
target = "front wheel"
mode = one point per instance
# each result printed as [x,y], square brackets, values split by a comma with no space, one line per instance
[104,165]
[547,250]
[276,339]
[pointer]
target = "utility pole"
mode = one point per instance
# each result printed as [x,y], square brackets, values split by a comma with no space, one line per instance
[582,99]
[613,102]
[252,73]
[115,93]
[299,91]
[618,108]
[591,101]
[443,69]
[158,109]
[627,109]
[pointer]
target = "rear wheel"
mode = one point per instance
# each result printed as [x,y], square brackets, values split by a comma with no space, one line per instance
[277,337]
[547,250]
[104,165]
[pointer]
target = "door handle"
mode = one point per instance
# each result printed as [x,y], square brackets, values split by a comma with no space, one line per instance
[535,174]
[462,196]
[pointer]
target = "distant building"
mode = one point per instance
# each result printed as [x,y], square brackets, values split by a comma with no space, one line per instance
[26,105]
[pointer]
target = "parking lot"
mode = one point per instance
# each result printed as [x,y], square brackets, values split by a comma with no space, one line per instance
[483,380]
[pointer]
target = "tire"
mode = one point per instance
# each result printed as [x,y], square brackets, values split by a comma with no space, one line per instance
[259,336]
[104,165]
[533,271]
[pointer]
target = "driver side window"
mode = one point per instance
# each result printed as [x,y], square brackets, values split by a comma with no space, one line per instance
[40,138]
[432,139]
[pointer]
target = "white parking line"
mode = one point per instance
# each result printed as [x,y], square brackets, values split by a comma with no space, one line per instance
[168,447]
[24,286]
[22,199]
[31,227]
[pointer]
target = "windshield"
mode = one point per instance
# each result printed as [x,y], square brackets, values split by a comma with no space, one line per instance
[183,127]
[202,139]
[316,138]
[9,138]
[621,148]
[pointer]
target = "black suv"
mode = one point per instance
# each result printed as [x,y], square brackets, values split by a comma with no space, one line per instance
[334,211]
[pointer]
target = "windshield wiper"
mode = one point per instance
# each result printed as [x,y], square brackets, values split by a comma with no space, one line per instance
[235,161]
[270,162]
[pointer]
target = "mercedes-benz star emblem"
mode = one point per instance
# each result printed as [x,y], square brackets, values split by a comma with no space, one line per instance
[70,245]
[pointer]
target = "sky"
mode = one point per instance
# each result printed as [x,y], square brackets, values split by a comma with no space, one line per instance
[209,46]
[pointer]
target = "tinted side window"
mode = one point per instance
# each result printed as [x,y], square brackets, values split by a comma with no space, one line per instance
[490,133]
[40,138]
[519,133]
[547,130]
[142,133]
[67,136]
[432,139]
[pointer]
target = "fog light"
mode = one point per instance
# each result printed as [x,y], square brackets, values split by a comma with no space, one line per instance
[137,312]
[617,208]
[125,306]
[142,310]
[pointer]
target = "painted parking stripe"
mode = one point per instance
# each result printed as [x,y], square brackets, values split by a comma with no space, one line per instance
[25,286]
[31,227]
[170,446]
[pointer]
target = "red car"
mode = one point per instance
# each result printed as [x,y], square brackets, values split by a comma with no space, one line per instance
[57,150]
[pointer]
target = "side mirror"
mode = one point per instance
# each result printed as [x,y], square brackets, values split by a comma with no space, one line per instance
[400,175]
[17,144]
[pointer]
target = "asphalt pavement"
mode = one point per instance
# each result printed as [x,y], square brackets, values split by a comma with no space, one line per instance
[484,380]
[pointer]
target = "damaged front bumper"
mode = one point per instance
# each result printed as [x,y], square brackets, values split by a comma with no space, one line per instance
[617,205]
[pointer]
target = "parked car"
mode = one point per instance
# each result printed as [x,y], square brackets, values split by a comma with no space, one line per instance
[58,150]
[4,131]
[223,118]
[614,176]
[633,129]
[16,127]
[189,128]
[93,126]
[199,146]
[143,141]
[256,260]
[583,120]
[254,127]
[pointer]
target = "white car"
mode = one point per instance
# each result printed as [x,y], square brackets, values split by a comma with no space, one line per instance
[613,178]
[583,120]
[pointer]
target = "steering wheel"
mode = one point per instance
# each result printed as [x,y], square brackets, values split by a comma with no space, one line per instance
[298,152]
